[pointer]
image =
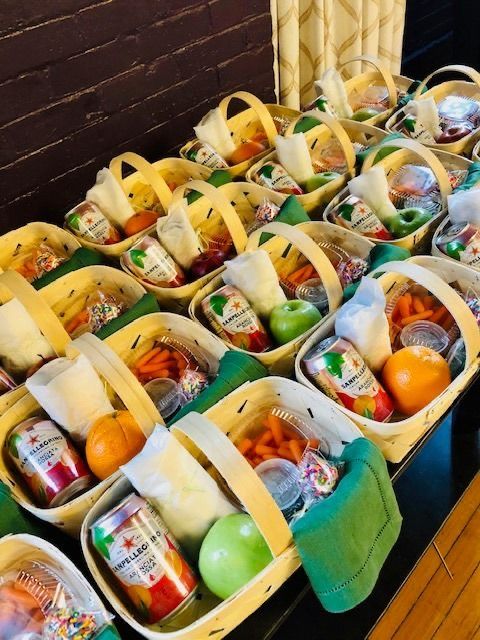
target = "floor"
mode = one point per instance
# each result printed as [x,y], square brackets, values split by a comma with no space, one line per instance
[441,597]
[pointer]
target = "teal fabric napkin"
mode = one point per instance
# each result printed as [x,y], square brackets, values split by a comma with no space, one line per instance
[218,178]
[81,258]
[291,212]
[147,304]
[344,540]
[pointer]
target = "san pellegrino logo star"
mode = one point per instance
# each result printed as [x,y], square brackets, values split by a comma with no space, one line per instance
[128,543]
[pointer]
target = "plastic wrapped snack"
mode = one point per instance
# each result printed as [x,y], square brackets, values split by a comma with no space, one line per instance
[34,262]
[100,309]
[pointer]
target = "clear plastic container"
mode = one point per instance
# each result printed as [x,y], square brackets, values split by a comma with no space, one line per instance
[314,292]
[281,477]
[165,395]
[425,334]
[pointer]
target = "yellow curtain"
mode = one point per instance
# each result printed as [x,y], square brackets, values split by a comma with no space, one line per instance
[311,35]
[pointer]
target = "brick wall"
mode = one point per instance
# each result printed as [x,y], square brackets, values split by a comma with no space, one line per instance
[84,80]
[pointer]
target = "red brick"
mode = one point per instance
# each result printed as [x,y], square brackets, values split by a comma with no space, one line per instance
[242,66]
[257,28]
[17,14]
[22,95]
[227,14]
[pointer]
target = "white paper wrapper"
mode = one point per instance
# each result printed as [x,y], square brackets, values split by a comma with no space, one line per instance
[331,85]
[213,130]
[464,206]
[426,114]
[362,321]
[109,197]
[254,274]
[372,188]
[294,156]
[186,496]
[21,343]
[177,235]
[72,394]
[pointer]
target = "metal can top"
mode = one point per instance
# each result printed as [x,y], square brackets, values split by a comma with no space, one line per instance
[311,358]
[30,422]
[116,516]
[454,231]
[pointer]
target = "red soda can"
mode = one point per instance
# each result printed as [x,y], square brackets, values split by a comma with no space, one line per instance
[48,462]
[233,319]
[145,559]
[340,372]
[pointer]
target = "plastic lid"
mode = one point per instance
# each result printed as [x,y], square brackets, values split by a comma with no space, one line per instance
[281,478]
[124,510]
[314,292]
[165,395]
[424,334]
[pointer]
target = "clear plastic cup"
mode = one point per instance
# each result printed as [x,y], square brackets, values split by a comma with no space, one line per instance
[423,333]
[314,292]
[165,395]
[456,357]
[282,480]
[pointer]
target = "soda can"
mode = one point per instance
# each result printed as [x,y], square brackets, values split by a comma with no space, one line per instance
[6,382]
[88,222]
[148,260]
[273,176]
[321,104]
[341,373]
[48,462]
[233,319]
[145,559]
[461,242]
[203,153]
[354,214]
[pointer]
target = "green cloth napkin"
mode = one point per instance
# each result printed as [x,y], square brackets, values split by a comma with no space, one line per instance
[306,123]
[383,152]
[147,304]
[235,369]
[291,212]
[473,176]
[409,95]
[344,540]
[81,258]
[13,519]
[217,179]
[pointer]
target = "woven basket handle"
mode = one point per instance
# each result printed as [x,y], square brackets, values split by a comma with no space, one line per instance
[153,178]
[425,154]
[221,206]
[311,251]
[36,307]
[119,377]
[260,109]
[240,477]
[383,70]
[340,134]
[470,72]
[448,297]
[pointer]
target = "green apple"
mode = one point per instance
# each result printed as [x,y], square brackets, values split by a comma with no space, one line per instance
[232,553]
[292,318]
[320,180]
[364,114]
[407,221]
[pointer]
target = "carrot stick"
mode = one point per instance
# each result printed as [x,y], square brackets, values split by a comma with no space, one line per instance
[288,455]
[161,357]
[418,305]
[403,307]
[148,356]
[266,438]
[81,318]
[439,314]
[428,302]
[297,275]
[276,428]
[416,316]
[408,296]
[262,449]
[147,368]
[296,450]
[245,445]
[269,456]
[308,273]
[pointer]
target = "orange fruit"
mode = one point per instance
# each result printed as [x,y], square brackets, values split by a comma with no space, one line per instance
[414,376]
[140,221]
[113,440]
[246,151]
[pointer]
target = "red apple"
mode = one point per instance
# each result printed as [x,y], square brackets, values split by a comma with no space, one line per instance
[207,262]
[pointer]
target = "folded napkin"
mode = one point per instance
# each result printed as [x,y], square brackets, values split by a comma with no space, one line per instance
[344,540]
[185,495]
[306,122]
[427,125]
[235,369]
[21,343]
[15,520]
[372,188]
[177,235]
[464,206]
[332,86]
[291,212]
[362,321]
[472,179]
[213,130]
[147,304]
[81,258]
[383,151]
[72,394]
[254,274]
[410,93]
[109,197]
[294,156]
[218,178]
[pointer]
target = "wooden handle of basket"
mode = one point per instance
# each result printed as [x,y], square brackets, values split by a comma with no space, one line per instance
[221,205]
[37,308]
[470,72]
[425,154]
[260,109]
[153,178]
[311,251]
[119,377]
[384,71]
[462,315]
[240,477]
[339,132]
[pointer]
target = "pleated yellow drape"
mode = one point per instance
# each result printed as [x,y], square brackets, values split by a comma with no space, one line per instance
[311,35]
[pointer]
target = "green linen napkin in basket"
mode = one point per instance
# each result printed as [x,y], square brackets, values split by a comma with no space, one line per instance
[344,540]
[291,212]
[81,258]
[13,519]
[147,304]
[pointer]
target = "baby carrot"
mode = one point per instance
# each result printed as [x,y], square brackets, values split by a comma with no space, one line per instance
[448,323]
[245,445]
[439,314]
[288,455]
[256,461]
[296,450]
[262,449]
[428,302]
[426,315]
[148,368]
[418,305]
[276,428]
[269,456]
[148,356]
[408,296]
[403,306]
[266,438]
[76,321]
[161,357]
[297,275]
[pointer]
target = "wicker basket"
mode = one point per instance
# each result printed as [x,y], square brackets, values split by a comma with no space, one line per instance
[204,437]
[247,123]
[69,516]
[288,250]
[441,91]
[223,211]
[147,188]
[317,137]
[397,438]
[476,152]
[411,151]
